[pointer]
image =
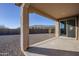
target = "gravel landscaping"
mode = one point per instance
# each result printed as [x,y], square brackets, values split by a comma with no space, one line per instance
[10,44]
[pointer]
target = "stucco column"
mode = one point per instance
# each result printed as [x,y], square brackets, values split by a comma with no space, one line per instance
[49,30]
[57,29]
[24,27]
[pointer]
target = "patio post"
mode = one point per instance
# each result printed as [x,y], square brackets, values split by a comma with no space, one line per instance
[57,29]
[24,27]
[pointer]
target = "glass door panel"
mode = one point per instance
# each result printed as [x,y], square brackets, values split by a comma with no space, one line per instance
[71,28]
[63,28]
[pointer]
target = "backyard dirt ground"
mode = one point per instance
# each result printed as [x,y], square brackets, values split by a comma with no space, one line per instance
[10,44]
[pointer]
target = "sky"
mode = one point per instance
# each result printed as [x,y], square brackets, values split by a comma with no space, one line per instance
[36,19]
[10,17]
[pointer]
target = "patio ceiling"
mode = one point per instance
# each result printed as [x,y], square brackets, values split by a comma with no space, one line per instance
[55,10]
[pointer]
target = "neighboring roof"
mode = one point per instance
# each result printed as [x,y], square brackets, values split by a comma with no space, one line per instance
[42,26]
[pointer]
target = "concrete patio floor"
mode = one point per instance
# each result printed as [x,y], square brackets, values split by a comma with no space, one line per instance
[54,47]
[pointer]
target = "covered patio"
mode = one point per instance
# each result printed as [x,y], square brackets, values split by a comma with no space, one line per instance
[54,47]
[65,44]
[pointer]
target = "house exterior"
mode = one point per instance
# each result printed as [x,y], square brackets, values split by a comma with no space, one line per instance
[66,16]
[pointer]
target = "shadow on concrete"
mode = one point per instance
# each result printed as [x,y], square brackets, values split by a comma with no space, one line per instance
[52,52]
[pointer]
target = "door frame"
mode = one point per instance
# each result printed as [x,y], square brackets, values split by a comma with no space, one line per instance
[67,29]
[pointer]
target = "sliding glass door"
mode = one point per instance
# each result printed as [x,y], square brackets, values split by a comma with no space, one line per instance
[71,28]
[68,28]
[63,28]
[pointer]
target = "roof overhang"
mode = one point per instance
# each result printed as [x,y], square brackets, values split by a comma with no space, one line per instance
[18,4]
[55,10]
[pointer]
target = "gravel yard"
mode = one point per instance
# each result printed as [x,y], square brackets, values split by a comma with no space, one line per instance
[10,44]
